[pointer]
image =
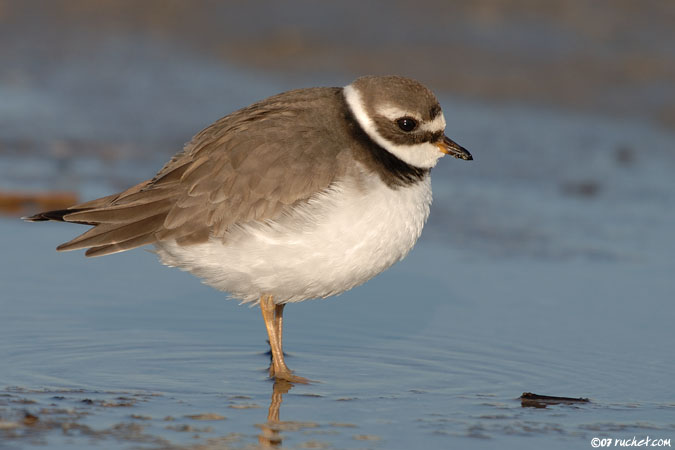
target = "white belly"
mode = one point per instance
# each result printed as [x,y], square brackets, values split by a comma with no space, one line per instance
[340,239]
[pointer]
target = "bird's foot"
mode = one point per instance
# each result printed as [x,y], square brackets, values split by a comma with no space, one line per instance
[291,378]
[287,375]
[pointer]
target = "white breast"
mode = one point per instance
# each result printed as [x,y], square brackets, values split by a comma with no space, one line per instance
[339,239]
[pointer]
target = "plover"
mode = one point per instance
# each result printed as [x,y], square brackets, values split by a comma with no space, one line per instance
[302,195]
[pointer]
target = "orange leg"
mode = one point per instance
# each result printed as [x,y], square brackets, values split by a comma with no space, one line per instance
[273,315]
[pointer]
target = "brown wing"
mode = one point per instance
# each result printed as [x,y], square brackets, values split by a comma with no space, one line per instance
[247,166]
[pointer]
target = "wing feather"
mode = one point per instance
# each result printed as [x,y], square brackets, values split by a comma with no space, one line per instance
[105,235]
[121,213]
[247,166]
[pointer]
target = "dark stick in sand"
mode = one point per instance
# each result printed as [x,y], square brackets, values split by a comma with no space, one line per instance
[528,399]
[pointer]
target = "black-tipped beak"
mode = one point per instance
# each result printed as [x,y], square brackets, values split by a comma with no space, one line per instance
[450,147]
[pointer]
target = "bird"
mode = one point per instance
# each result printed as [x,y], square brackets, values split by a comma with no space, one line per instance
[303,195]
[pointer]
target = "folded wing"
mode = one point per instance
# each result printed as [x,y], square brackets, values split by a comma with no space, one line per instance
[248,166]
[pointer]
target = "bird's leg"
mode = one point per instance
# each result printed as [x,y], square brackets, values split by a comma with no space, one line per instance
[273,316]
[267,307]
[279,324]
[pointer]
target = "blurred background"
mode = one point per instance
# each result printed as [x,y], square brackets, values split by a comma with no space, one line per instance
[125,80]
[547,263]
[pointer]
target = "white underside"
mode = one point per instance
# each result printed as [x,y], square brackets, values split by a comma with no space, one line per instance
[341,238]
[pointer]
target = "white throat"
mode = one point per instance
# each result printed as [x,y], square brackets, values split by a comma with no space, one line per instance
[424,156]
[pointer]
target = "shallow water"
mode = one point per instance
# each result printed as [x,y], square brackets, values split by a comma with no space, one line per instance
[547,266]
[415,357]
[525,280]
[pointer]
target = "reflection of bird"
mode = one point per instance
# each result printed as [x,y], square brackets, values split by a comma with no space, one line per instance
[270,435]
[305,194]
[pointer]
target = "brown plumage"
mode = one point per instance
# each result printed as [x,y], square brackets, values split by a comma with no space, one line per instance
[241,168]
[234,171]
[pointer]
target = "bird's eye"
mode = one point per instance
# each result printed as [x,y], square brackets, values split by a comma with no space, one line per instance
[406,124]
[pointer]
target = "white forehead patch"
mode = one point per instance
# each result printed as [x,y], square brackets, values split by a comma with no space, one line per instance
[424,155]
[438,124]
[392,113]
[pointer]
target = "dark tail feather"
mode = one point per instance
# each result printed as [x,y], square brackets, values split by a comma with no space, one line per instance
[56,215]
